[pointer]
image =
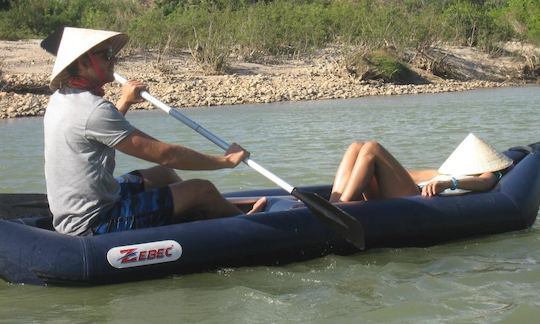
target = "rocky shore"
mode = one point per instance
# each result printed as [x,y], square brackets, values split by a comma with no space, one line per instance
[178,80]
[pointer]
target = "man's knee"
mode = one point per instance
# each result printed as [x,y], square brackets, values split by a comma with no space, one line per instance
[202,187]
[159,176]
[205,184]
[170,174]
[192,193]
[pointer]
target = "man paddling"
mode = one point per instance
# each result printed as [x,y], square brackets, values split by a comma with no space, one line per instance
[82,133]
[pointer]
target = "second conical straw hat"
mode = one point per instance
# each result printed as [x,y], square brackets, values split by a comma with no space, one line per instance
[474,156]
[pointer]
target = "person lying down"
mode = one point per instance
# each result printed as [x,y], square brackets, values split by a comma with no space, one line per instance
[368,171]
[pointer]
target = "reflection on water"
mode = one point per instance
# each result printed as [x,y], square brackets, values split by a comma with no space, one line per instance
[480,280]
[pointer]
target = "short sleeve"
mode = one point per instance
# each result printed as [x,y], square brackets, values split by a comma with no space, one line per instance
[107,125]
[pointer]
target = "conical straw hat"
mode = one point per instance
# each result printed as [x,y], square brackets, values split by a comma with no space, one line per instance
[474,156]
[77,41]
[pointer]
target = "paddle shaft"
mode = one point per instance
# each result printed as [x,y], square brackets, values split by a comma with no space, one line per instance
[208,135]
[340,221]
[344,224]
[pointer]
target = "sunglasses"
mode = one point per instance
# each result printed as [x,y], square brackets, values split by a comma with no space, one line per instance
[107,54]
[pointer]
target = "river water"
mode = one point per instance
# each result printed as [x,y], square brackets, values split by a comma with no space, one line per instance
[488,279]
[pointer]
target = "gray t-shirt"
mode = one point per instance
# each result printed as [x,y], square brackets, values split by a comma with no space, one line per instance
[81,130]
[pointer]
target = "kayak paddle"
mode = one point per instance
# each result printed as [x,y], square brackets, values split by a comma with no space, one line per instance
[340,221]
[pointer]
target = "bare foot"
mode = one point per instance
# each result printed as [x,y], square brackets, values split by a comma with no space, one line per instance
[258,206]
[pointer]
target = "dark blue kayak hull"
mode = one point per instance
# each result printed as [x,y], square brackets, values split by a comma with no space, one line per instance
[31,252]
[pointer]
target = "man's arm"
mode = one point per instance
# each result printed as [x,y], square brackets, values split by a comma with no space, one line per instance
[143,146]
[131,94]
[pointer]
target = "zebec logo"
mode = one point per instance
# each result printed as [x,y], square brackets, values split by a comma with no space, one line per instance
[143,254]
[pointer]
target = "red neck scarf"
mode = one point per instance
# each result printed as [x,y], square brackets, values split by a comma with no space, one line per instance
[80,82]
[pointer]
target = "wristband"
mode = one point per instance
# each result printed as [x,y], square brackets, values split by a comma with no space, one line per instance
[455,183]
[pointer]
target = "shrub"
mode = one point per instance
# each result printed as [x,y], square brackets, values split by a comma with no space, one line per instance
[524,16]
[10,29]
[381,64]
[211,52]
[280,26]
[145,32]
[40,17]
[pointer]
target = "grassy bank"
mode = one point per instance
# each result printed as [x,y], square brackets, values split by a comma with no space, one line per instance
[282,26]
[250,29]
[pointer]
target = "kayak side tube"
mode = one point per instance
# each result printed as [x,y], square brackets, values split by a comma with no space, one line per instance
[30,255]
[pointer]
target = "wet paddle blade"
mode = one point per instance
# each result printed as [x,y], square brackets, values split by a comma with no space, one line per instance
[341,222]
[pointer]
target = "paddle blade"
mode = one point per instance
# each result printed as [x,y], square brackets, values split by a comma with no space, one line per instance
[341,222]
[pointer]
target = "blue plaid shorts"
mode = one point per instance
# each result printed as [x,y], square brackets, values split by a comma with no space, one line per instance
[136,207]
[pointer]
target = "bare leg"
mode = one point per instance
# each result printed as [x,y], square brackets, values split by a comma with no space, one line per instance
[202,198]
[344,170]
[372,191]
[158,177]
[376,168]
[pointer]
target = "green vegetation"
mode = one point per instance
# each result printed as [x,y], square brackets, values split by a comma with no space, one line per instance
[213,29]
[381,64]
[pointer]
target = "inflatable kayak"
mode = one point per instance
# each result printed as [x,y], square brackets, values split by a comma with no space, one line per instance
[31,252]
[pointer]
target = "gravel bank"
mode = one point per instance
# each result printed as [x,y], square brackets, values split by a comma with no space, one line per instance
[178,81]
